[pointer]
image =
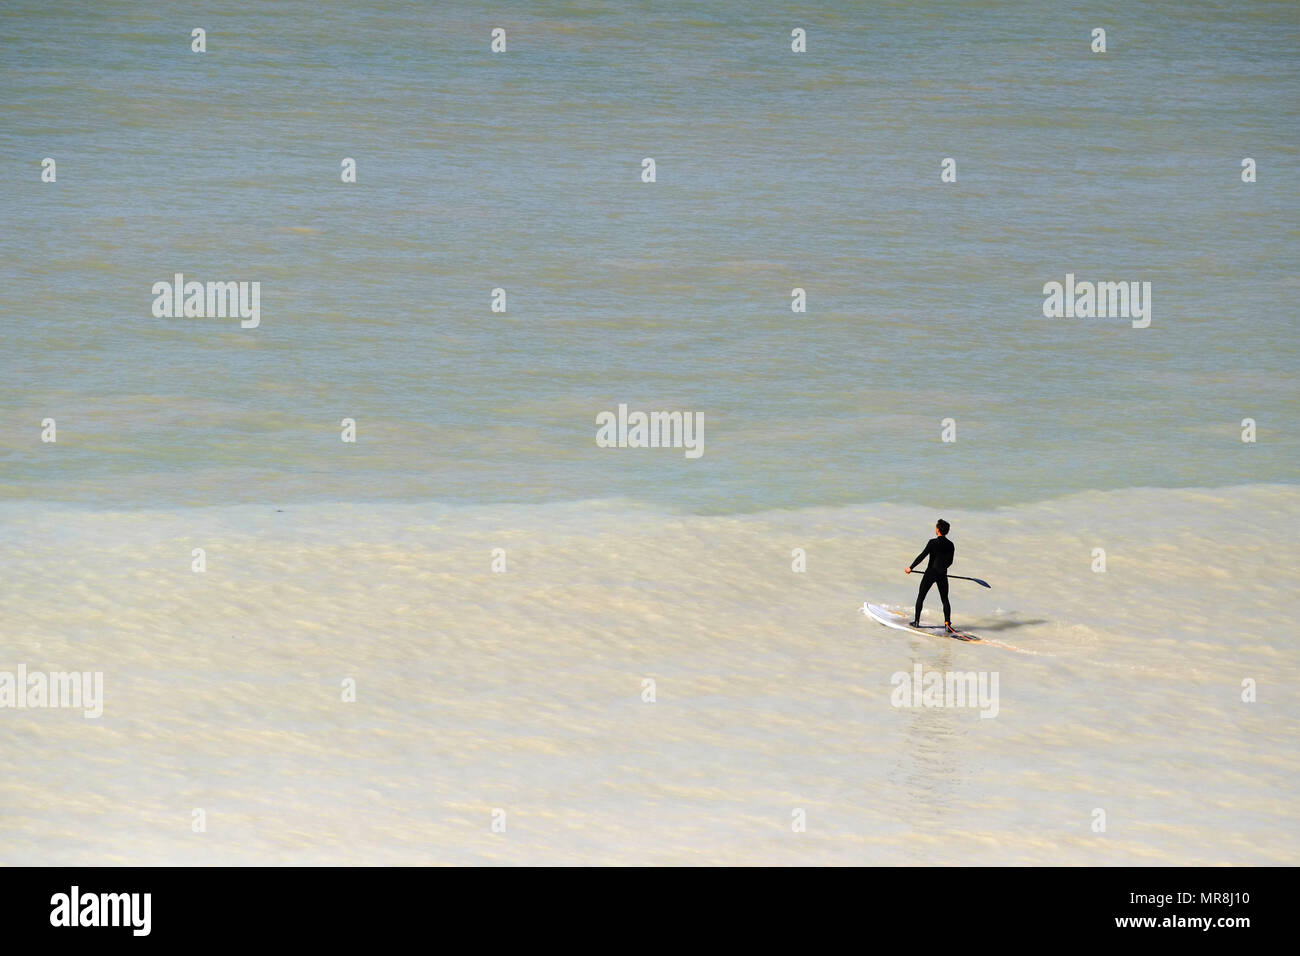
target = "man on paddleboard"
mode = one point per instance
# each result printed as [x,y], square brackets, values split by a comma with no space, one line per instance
[940,550]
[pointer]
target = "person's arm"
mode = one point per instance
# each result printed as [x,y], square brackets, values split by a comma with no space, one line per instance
[928,545]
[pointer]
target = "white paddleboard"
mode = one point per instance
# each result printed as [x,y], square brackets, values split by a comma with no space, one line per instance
[903,621]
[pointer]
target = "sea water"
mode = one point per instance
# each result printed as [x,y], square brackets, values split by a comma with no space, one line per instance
[525,690]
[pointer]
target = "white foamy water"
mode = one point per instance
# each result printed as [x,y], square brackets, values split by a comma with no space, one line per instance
[522,690]
[370,561]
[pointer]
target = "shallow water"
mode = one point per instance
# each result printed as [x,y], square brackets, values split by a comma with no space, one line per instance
[522,690]
[1119,691]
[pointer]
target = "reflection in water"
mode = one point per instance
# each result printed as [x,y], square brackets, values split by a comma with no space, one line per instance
[928,763]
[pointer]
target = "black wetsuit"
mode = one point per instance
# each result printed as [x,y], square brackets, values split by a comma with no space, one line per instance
[940,550]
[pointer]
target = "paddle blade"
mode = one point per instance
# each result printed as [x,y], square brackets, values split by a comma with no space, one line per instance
[983,584]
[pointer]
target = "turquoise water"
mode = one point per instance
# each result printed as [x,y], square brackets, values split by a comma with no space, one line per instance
[522,171]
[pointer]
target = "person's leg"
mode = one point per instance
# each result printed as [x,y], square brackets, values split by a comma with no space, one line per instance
[920,596]
[943,596]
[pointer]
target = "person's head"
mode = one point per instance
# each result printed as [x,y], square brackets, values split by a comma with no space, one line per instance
[942,526]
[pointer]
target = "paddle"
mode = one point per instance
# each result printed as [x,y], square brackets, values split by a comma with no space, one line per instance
[983,584]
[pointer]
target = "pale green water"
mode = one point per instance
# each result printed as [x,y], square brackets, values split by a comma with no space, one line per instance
[1121,691]
[522,171]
